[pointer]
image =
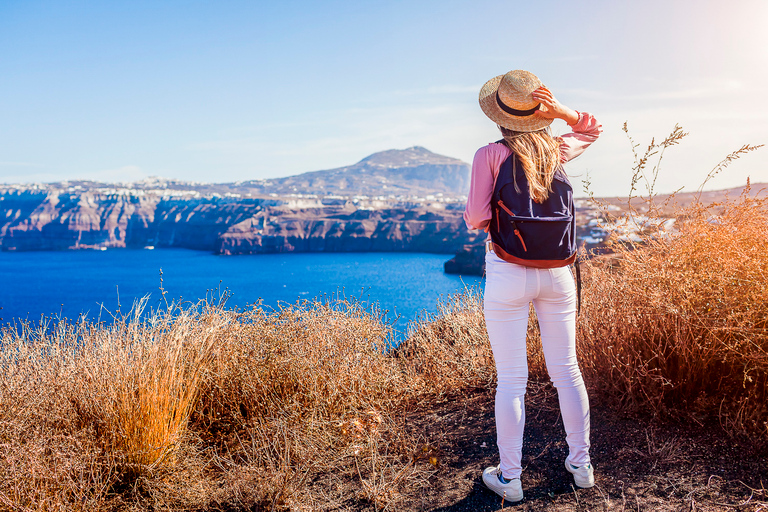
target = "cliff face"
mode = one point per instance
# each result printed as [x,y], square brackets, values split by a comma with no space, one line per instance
[396,200]
[195,224]
[61,221]
[346,229]
[55,221]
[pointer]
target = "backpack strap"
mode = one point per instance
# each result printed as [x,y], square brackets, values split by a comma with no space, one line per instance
[577,266]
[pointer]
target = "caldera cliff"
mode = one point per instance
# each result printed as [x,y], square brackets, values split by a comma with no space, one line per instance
[397,200]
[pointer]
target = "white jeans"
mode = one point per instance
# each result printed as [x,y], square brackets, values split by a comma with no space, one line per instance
[509,289]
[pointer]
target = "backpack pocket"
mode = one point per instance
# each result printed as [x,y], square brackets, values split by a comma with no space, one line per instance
[535,238]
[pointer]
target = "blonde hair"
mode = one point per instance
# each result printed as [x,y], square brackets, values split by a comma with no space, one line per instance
[539,154]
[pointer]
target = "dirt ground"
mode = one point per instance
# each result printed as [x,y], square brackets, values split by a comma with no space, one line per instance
[639,464]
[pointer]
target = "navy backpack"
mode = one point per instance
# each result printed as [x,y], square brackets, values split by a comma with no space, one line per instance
[541,235]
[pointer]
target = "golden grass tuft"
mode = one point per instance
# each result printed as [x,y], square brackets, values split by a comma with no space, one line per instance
[104,406]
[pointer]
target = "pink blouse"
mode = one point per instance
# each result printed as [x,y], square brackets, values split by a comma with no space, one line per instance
[488,159]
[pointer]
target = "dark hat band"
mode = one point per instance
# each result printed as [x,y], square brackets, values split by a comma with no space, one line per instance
[515,112]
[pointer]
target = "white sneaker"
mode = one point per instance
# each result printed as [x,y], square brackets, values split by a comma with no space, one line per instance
[583,476]
[511,491]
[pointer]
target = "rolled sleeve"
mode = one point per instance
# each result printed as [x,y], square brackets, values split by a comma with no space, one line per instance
[582,135]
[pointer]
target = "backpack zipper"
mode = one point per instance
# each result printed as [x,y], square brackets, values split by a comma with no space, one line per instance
[514,226]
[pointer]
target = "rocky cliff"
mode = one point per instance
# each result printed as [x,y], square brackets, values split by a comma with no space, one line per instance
[348,228]
[61,221]
[398,200]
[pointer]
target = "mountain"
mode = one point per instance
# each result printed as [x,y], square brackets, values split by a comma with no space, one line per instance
[414,171]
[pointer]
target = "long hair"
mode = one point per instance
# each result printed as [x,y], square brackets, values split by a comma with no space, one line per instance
[539,154]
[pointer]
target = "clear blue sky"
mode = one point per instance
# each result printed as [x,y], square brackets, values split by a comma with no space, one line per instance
[220,91]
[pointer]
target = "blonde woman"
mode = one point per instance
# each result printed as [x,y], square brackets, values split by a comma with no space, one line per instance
[516,182]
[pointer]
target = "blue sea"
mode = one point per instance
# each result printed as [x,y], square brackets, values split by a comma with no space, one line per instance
[99,283]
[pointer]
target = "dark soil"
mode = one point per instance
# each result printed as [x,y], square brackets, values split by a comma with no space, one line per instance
[639,464]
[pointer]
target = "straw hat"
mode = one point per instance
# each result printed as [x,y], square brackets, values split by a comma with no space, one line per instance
[507,100]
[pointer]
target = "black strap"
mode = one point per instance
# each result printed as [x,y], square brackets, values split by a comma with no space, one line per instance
[577,266]
[515,112]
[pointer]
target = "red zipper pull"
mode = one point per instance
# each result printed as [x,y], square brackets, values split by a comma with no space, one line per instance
[521,240]
[501,203]
[498,227]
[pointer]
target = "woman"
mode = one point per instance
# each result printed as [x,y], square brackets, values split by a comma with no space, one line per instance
[523,109]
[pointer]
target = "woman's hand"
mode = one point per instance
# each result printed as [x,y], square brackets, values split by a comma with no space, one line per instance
[553,109]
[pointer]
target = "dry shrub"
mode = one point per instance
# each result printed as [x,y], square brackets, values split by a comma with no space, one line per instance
[450,352]
[678,325]
[674,322]
[306,392]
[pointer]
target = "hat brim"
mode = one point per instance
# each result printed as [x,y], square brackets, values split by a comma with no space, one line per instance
[492,109]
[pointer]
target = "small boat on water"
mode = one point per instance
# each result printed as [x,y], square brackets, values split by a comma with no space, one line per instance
[149,247]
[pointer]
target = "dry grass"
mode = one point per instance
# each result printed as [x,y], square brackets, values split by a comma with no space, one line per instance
[206,407]
[678,326]
[310,391]
[674,322]
[89,410]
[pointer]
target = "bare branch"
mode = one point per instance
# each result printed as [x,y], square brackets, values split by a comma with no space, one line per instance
[724,163]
